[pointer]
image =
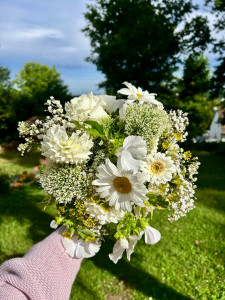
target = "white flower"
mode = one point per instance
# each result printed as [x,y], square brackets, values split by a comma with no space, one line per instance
[121,188]
[85,107]
[110,104]
[158,168]
[134,94]
[101,215]
[78,248]
[59,147]
[122,245]
[152,235]
[53,224]
[134,148]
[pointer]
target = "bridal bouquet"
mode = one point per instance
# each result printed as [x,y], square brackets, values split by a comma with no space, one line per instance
[109,164]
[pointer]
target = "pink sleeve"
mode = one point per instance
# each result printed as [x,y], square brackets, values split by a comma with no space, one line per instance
[45,272]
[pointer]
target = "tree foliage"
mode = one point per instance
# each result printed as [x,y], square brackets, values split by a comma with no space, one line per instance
[135,40]
[138,41]
[193,89]
[36,83]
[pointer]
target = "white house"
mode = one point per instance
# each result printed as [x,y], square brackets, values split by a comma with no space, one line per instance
[217,130]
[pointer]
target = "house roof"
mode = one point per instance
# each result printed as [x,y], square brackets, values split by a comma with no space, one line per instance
[221,113]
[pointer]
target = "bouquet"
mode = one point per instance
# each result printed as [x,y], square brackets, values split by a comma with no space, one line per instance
[109,164]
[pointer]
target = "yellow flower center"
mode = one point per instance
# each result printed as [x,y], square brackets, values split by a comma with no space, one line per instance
[122,185]
[157,167]
[69,144]
[139,96]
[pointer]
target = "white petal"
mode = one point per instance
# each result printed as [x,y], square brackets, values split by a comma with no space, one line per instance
[117,252]
[152,235]
[133,239]
[69,246]
[53,224]
[127,162]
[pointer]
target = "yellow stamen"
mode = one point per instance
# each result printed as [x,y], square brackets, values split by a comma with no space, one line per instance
[178,135]
[139,96]
[122,185]
[187,155]
[157,167]
[89,223]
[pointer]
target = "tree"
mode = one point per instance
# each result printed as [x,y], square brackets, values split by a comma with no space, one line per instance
[136,41]
[36,84]
[196,77]
[218,80]
[193,90]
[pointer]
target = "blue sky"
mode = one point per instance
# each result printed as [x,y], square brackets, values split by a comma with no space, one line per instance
[49,32]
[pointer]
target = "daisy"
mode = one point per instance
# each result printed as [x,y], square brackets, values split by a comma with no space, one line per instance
[121,188]
[158,168]
[134,94]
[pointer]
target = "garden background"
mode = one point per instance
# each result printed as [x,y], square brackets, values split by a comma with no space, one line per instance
[164,47]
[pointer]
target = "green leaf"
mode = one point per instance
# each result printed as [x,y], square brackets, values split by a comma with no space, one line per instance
[94,132]
[158,201]
[96,126]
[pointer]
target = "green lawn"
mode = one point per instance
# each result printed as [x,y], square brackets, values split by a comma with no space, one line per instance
[187,263]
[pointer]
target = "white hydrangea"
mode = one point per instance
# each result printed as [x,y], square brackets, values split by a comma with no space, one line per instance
[103,216]
[59,147]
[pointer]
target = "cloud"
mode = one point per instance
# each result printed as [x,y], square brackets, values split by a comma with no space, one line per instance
[47,32]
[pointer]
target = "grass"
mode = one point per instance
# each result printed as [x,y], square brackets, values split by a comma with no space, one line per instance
[187,263]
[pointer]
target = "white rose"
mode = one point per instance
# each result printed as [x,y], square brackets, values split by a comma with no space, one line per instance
[85,107]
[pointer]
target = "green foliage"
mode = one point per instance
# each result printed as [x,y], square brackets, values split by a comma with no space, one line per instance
[196,77]
[8,96]
[37,83]
[193,90]
[124,32]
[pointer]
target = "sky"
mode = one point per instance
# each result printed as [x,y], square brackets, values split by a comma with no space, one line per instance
[49,32]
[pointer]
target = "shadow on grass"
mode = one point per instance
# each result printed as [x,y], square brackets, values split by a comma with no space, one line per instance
[24,206]
[211,172]
[134,277]
[30,159]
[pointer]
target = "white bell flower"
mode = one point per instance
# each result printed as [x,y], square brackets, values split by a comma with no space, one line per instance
[152,235]
[76,247]
[122,245]
[53,224]
[133,150]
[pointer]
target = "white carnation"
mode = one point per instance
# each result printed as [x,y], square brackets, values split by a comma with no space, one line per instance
[59,147]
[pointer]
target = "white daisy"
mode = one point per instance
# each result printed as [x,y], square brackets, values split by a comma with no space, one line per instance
[121,188]
[103,216]
[134,94]
[59,147]
[158,168]
[76,247]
